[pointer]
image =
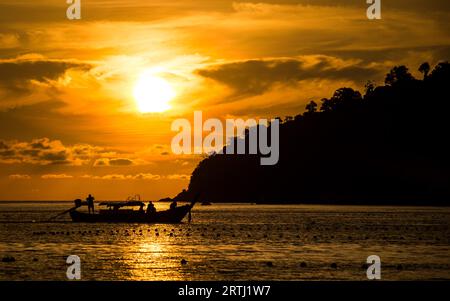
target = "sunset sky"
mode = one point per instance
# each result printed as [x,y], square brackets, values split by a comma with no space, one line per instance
[70,120]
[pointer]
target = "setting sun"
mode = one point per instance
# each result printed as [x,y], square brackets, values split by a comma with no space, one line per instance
[153,94]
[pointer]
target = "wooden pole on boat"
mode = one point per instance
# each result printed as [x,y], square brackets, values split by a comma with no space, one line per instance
[78,204]
[62,213]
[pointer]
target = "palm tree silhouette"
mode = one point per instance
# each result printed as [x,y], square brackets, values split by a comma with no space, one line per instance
[424,69]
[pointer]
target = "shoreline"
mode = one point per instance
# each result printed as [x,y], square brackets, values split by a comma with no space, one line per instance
[329,203]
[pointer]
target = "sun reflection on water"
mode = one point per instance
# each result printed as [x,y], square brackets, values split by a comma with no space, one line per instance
[148,259]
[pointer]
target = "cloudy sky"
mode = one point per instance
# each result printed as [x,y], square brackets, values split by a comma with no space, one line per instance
[70,121]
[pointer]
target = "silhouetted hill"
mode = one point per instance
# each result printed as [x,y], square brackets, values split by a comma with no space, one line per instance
[389,146]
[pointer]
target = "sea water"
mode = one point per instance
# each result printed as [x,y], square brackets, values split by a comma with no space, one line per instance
[230,242]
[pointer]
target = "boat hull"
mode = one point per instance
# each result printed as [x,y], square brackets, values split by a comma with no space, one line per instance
[172,216]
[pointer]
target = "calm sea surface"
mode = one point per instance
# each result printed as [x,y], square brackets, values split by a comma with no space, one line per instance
[230,242]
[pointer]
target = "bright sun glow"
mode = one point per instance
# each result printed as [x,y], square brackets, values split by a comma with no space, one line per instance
[153,94]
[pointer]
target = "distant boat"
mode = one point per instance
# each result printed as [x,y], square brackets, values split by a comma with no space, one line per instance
[206,203]
[114,213]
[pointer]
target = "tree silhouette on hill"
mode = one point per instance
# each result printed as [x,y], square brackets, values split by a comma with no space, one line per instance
[424,69]
[388,146]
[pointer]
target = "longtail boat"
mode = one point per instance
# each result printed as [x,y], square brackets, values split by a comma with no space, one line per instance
[114,213]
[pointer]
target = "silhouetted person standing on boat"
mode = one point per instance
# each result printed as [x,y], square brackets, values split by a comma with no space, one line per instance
[90,201]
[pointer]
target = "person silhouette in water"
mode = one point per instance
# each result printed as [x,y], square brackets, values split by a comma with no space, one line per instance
[151,208]
[90,201]
[173,205]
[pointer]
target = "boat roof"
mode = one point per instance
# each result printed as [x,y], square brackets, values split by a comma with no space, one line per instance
[122,204]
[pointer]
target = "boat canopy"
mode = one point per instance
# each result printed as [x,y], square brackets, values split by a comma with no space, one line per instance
[122,204]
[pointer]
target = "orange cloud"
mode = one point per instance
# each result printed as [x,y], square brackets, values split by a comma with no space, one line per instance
[140,176]
[178,177]
[19,177]
[56,176]
[43,151]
